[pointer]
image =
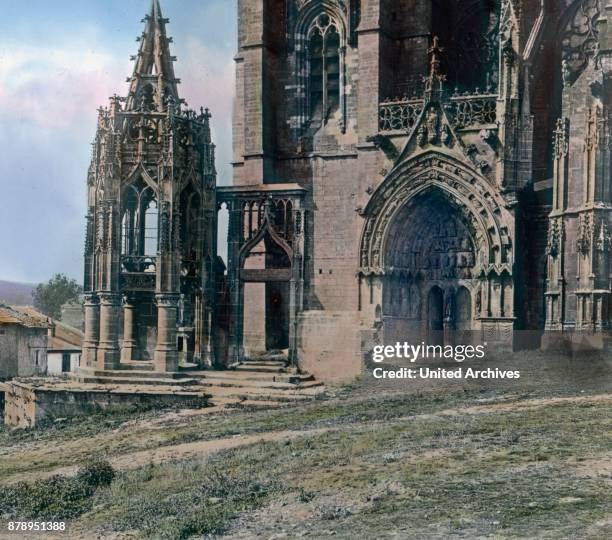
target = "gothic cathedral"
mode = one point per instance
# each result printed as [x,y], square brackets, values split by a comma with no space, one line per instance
[404,170]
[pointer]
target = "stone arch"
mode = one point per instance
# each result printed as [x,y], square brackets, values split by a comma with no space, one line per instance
[436,224]
[312,10]
[463,308]
[140,172]
[471,195]
[267,234]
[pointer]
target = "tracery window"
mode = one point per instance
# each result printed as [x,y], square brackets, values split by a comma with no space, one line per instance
[139,223]
[325,68]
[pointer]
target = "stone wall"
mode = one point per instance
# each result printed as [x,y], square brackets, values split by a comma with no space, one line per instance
[9,338]
[30,403]
[23,351]
[329,345]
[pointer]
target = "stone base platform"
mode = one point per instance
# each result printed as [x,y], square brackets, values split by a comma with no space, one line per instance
[262,382]
[30,401]
[574,341]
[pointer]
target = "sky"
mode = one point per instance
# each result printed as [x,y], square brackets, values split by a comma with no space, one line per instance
[59,61]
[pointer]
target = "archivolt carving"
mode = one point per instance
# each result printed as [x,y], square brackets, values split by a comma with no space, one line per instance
[470,194]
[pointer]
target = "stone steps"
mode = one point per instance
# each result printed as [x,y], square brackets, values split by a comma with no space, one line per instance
[141,381]
[128,373]
[232,375]
[280,356]
[261,369]
[261,394]
[133,365]
[261,384]
[268,363]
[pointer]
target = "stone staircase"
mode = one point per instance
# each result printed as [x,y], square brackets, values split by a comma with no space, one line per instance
[263,380]
[260,382]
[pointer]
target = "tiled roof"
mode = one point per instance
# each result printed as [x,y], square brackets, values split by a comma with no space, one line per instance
[10,315]
[65,338]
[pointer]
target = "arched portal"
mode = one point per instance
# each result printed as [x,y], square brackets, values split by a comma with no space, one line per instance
[430,253]
[436,222]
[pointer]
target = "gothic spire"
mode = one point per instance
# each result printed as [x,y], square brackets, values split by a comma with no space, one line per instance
[153,81]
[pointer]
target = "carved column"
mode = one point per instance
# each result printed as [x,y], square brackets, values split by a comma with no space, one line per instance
[92,330]
[108,348]
[166,352]
[129,342]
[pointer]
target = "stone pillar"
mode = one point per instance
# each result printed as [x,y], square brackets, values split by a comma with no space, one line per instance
[293,322]
[166,352]
[129,343]
[108,349]
[92,331]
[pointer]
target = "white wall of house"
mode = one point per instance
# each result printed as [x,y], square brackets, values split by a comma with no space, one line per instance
[57,362]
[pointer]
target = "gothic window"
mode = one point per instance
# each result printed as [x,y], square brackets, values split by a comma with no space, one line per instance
[139,222]
[324,48]
[129,222]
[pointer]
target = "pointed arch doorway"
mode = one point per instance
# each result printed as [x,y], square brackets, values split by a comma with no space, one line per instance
[431,249]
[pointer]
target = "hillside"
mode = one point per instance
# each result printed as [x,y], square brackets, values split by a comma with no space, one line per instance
[14,293]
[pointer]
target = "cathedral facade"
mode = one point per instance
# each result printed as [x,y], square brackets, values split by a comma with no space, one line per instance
[404,170]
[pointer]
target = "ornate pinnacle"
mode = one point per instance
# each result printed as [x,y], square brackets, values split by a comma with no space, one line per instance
[435,77]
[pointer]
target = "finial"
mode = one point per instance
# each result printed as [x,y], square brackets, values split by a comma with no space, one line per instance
[435,77]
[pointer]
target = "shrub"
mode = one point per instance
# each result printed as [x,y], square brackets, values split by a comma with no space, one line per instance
[56,498]
[96,473]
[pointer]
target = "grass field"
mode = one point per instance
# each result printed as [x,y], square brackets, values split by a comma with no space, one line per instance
[358,464]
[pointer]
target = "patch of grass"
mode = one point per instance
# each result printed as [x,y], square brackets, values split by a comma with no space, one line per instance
[56,498]
[116,433]
[179,501]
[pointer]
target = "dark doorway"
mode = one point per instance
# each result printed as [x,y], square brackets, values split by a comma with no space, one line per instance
[277,316]
[65,362]
[435,316]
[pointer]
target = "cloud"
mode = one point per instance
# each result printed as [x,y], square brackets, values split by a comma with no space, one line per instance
[55,87]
